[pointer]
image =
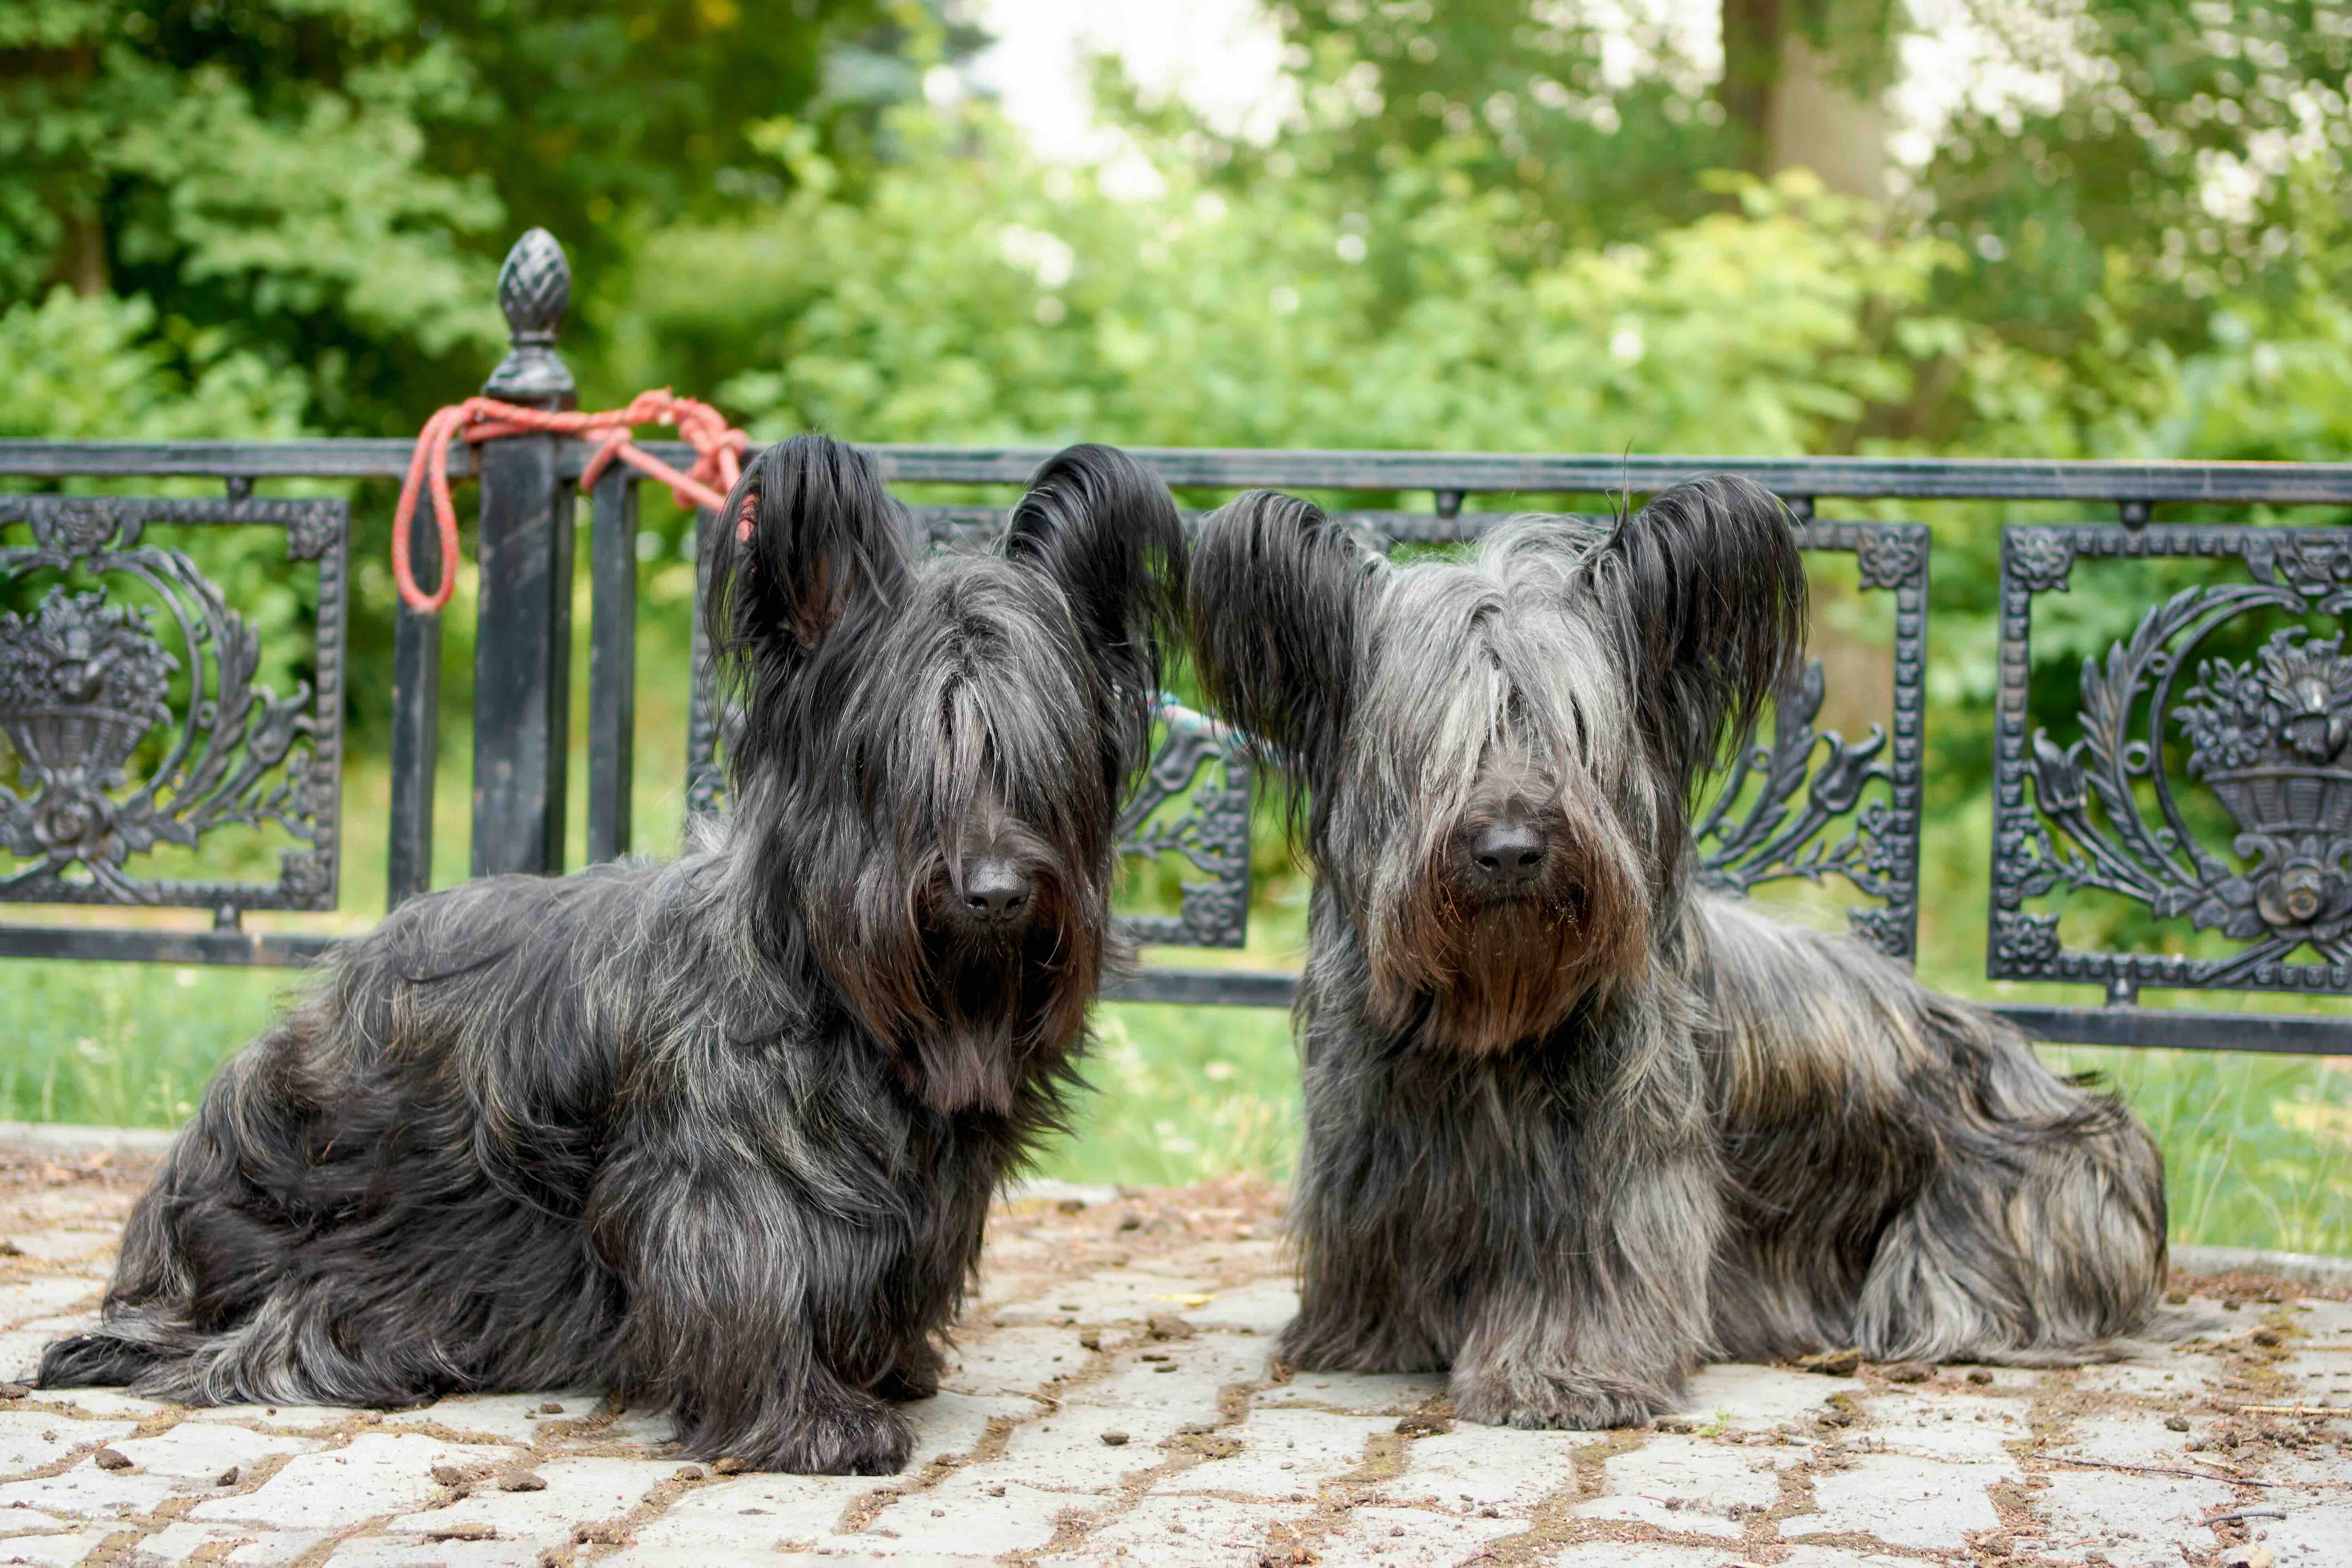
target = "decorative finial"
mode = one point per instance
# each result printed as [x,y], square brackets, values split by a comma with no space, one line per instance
[534,291]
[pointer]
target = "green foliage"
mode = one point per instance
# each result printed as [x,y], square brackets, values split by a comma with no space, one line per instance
[1184,1094]
[331,182]
[2164,158]
[99,369]
[1263,316]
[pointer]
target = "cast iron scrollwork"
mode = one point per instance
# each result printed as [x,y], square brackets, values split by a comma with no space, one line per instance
[1807,782]
[1212,830]
[2269,736]
[86,681]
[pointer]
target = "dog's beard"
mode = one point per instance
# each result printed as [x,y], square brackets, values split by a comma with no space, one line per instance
[970,1016]
[1004,1010]
[1482,977]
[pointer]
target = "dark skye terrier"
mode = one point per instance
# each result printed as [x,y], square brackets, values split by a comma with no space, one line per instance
[718,1136]
[1573,1126]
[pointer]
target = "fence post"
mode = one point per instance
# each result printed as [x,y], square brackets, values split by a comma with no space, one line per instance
[611,662]
[415,725]
[522,641]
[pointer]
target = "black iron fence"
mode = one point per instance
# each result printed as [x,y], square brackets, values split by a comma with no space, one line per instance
[2213,794]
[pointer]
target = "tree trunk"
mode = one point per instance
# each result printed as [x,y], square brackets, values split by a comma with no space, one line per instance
[81,258]
[1821,124]
[1781,97]
[1751,73]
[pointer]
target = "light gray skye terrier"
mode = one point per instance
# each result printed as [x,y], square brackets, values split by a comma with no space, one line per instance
[1573,1126]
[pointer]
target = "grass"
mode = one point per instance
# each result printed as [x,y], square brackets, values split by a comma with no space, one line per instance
[2258,1149]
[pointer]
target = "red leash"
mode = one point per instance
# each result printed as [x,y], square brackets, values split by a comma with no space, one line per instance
[718,451]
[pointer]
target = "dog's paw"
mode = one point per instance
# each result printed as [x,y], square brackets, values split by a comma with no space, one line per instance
[868,1438]
[1545,1402]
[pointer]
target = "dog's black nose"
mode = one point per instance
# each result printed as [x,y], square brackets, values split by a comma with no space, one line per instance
[996,890]
[1508,856]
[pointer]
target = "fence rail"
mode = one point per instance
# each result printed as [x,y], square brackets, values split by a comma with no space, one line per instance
[2268,738]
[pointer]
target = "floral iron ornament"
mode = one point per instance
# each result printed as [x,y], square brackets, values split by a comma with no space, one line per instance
[2271,739]
[87,683]
[1812,804]
[81,682]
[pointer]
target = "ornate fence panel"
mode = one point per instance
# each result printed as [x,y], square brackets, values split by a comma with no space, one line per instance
[133,728]
[2205,790]
[1811,785]
[2165,716]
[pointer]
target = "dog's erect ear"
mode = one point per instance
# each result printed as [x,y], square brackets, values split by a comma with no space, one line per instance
[1276,595]
[810,534]
[1705,591]
[812,542]
[1104,528]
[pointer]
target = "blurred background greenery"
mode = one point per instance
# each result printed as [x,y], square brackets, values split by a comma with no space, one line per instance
[2115,229]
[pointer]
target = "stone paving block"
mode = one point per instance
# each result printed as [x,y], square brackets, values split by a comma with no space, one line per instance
[999,1287]
[105,1404]
[20,1352]
[496,1417]
[1190,1264]
[30,1303]
[1284,1452]
[2317,1536]
[2133,1439]
[1947,1426]
[57,1551]
[1736,1399]
[1409,1538]
[949,1423]
[1635,1554]
[94,1247]
[2321,1472]
[1475,1468]
[1688,1485]
[719,1555]
[2325,1320]
[763,1510]
[82,1490]
[377,1473]
[1202,1366]
[1359,1393]
[248,1545]
[1998,1379]
[641,1425]
[727,1556]
[1903,1501]
[1064,1452]
[967,1513]
[2320,1380]
[413,1552]
[31,1439]
[187,1452]
[2134,1522]
[1181,1532]
[1016,1360]
[576,1490]
[310,1418]
[1116,1297]
[2176,1378]
[1261,1307]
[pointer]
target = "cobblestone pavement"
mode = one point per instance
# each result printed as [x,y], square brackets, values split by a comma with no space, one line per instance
[1111,1398]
